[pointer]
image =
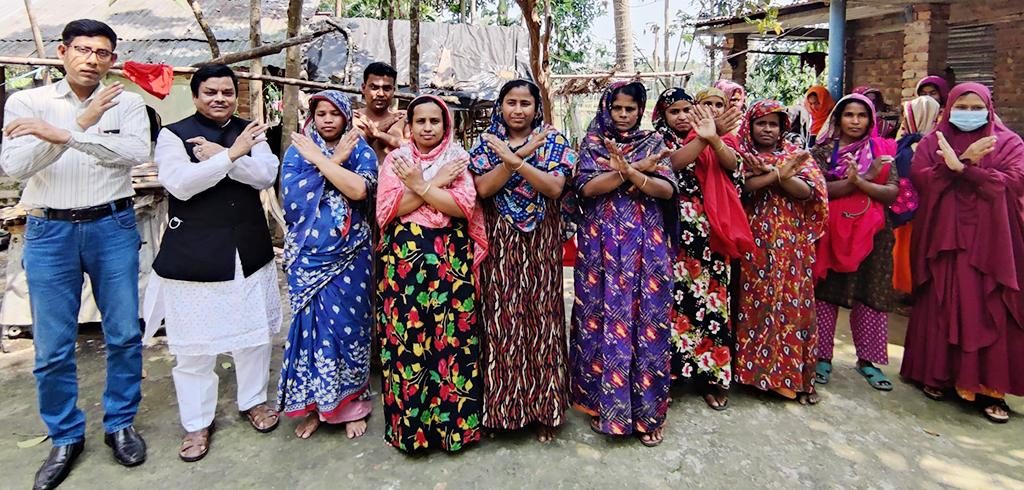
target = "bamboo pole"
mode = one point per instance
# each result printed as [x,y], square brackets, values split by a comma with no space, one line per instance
[256,66]
[37,36]
[266,49]
[619,74]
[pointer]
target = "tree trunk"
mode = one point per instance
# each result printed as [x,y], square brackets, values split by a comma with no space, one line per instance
[211,38]
[290,99]
[339,8]
[391,34]
[414,46]
[462,11]
[538,51]
[472,11]
[623,37]
[256,65]
[667,38]
[37,36]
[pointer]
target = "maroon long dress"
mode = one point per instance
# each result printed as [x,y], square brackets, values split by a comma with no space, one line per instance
[967,327]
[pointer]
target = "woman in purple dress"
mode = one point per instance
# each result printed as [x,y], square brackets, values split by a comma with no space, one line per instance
[620,353]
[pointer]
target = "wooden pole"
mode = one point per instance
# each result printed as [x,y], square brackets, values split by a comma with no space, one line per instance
[211,38]
[256,66]
[244,75]
[391,34]
[290,102]
[37,36]
[266,49]
[414,46]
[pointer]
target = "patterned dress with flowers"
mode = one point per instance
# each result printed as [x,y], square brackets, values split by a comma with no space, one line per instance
[430,345]
[701,335]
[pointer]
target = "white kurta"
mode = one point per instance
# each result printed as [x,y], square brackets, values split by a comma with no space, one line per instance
[209,318]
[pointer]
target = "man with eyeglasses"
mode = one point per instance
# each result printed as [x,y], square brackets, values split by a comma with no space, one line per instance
[74,144]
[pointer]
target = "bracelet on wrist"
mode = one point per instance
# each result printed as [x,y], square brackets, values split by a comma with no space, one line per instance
[425,190]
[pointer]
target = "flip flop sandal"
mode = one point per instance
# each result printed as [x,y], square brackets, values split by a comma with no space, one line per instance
[995,419]
[809,398]
[933,393]
[823,372]
[196,440]
[251,415]
[595,425]
[876,378]
[651,442]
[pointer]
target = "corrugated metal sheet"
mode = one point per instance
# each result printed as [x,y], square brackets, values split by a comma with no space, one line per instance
[971,54]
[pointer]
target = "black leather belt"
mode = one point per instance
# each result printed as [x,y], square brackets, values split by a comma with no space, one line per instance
[79,215]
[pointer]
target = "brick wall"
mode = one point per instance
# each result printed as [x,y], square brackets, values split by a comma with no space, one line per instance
[924,45]
[1009,74]
[874,51]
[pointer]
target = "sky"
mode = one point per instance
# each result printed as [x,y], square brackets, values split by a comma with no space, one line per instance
[642,13]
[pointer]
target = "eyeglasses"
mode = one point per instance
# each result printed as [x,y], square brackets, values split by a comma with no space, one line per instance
[101,54]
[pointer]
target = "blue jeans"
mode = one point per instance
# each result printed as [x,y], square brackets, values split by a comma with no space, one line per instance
[57,253]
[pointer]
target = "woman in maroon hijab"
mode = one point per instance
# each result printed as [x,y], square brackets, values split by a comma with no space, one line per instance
[966,332]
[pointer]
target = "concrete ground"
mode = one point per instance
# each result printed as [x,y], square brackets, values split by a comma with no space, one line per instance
[856,438]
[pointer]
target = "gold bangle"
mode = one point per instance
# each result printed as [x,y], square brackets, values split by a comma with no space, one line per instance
[621,177]
[778,175]
[645,182]
[425,189]
[523,162]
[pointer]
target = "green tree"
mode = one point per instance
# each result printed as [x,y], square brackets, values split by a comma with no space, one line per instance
[782,77]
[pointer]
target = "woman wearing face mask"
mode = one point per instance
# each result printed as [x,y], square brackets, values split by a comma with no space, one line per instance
[919,118]
[966,332]
[713,230]
[432,243]
[854,257]
[327,175]
[619,351]
[776,334]
[520,168]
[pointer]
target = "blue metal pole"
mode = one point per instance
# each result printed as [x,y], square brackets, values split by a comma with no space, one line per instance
[836,47]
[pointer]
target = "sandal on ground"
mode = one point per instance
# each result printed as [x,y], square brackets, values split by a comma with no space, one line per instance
[990,406]
[260,415]
[652,439]
[876,378]
[712,395]
[933,393]
[595,425]
[823,372]
[546,433]
[809,397]
[198,439]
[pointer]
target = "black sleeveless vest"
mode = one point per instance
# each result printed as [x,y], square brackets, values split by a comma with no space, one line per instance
[204,232]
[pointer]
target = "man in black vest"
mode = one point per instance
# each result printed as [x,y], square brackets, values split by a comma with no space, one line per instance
[214,281]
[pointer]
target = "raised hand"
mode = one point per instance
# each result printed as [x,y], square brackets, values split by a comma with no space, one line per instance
[449,172]
[343,149]
[31,126]
[250,137]
[650,163]
[100,104]
[791,165]
[410,173]
[536,142]
[365,126]
[499,147]
[706,129]
[852,174]
[876,166]
[948,154]
[615,161]
[728,121]
[203,149]
[306,147]
[755,164]
[979,149]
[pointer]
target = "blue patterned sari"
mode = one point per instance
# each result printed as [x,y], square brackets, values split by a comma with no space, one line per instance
[327,258]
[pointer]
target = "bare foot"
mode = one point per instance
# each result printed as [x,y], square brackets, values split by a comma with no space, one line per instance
[356,428]
[545,433]
[308,426]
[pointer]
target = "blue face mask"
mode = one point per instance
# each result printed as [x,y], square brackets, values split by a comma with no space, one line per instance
[968,120]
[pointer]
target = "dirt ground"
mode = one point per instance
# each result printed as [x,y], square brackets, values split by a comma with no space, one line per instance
[856,438]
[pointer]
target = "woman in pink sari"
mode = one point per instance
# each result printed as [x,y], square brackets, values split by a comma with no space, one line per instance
[966,332]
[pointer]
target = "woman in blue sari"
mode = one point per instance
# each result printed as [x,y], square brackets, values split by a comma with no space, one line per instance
[327,175]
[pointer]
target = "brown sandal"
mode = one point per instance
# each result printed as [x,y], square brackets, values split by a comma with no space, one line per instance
[653,438]
[198,439]
[259,415]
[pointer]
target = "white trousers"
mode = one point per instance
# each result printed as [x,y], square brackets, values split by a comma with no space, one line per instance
[196,384]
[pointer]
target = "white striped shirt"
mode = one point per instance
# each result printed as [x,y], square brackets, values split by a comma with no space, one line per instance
[94,167]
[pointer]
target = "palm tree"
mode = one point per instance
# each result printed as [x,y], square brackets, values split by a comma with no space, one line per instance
[623,36]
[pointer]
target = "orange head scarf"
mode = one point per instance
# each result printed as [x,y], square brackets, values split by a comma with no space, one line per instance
[819,116]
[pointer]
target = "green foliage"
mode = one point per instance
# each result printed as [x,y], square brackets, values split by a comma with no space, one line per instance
[571,39]
[780,77]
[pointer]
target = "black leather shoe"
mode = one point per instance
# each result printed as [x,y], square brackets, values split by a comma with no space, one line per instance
[57,466]
[129,448]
